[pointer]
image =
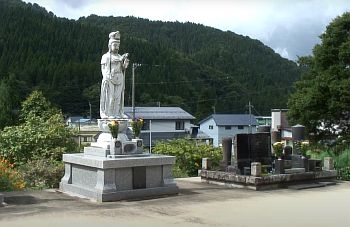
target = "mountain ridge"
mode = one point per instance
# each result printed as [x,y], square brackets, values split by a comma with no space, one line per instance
[196,67]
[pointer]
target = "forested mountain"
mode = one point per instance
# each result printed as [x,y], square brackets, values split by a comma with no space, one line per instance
[183,64]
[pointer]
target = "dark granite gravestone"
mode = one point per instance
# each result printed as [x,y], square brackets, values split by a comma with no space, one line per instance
[252,148]
[287,151]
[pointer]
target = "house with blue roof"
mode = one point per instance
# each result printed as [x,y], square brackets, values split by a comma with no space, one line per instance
[162,123]
[219,126]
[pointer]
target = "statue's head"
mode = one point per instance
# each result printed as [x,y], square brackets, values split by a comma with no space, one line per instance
[114,41]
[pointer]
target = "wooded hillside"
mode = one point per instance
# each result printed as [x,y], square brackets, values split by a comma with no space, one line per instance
[183,64]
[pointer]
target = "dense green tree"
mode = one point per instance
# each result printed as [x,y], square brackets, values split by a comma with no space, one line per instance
[11,92]
[322,96]
[6,110]
[41,135]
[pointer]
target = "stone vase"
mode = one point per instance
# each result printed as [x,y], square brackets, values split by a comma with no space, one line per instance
[279,166]
[115,146]
[305,163]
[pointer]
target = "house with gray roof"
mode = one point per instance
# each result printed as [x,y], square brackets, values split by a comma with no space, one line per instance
[162,123]
[219,126]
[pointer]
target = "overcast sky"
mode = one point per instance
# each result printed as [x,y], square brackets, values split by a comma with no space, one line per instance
[290,27]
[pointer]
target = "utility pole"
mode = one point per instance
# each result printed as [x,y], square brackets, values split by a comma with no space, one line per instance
[250,118]
[90,111]
[134,66]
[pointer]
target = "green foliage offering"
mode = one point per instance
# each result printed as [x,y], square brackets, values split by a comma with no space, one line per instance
[322,96]
[10,179]
[278,149]
[42,135]
[136,125]
[183,64]
[42,173]
[114,128]
[188,155]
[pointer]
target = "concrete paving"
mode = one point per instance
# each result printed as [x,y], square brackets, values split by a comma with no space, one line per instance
[198,204]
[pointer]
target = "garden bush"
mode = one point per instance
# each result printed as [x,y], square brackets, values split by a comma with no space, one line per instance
[342,164]
[189,154]
[42,173]
[10,179]
[341,160]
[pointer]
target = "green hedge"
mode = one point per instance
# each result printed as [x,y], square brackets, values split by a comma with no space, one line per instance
[189,154]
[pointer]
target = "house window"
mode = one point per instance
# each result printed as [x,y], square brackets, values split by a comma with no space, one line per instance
[179,125]
[87,139]
[227,127]
[240,127]
[145,125]
[211,127]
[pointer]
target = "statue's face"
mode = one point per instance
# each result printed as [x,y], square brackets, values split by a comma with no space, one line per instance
[115,46]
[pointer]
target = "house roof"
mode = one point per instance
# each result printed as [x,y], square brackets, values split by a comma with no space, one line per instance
[74,118]
[231,119]
[159,113]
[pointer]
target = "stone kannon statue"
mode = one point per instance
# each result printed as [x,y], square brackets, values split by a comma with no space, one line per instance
[113,68]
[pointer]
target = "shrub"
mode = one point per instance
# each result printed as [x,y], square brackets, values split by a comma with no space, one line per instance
[42,173]
[188,154]
[42,133]
[342,164]
[10,179]
[341,161]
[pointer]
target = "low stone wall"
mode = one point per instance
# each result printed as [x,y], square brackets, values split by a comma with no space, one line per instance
[264,182]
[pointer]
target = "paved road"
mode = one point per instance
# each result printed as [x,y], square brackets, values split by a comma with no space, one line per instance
[198,204]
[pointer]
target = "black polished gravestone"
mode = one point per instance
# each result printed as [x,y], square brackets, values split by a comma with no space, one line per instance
[250,148]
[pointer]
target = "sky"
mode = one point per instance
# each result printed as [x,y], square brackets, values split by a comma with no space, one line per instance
[290,27]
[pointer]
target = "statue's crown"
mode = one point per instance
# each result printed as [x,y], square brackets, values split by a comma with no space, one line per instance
[114,35]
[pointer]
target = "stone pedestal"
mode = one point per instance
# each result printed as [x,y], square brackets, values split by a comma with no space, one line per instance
[255,169]
[328,163]
[104,179]
[206,163]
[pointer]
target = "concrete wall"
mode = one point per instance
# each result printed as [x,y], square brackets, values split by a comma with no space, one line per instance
[163,130]
[275,120]
[166,126]
[213,133]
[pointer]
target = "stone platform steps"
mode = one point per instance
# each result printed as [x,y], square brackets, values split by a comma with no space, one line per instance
[311,185]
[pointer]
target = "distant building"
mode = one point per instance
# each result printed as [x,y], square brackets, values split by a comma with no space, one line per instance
[218,126]
[263,120]
[162,123]
[88,130]
[279,122]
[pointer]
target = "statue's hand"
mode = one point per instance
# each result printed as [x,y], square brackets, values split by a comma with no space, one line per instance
[126,60]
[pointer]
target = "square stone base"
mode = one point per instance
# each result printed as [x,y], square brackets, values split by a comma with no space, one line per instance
[104,179]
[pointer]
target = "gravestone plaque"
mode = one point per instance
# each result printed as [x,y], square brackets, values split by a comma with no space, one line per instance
[252,148]
[139,177]
[297,161]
